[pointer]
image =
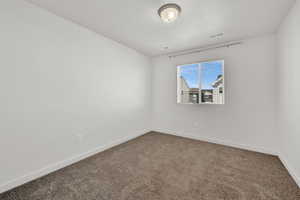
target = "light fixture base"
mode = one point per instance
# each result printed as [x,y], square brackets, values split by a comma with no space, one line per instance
[169,12]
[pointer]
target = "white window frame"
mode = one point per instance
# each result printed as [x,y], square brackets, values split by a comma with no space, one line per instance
[178,97]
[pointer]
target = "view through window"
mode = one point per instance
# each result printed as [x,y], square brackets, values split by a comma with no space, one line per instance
[201,83]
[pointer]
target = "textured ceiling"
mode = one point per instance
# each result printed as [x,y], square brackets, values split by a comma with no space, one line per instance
[135,23]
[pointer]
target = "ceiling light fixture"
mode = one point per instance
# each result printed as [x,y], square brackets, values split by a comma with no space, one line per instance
[169,12]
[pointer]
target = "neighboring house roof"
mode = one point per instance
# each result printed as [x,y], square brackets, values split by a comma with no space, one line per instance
[218,82]
[185,82]
[187,85]
[194,90]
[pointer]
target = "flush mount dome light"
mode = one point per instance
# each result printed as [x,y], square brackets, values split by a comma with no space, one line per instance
[169,12]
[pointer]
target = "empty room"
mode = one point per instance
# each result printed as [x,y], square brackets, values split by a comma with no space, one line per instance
[149,100]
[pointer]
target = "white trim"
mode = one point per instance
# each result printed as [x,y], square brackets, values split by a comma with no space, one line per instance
[290,169]
[221,142]
[59,165]
[199,63]
[286,164]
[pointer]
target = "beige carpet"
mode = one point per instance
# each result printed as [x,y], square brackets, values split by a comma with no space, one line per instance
[163,167]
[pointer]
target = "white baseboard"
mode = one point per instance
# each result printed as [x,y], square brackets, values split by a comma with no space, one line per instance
[221,142]
[288,166]
[59,165]
[290,169]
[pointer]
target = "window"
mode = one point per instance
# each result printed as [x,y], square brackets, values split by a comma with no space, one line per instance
[201,83]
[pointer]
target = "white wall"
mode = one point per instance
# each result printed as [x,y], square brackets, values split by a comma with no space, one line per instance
[289,90]
[247,118]
[64,91]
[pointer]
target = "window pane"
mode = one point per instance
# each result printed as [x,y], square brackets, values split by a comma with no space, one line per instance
[212,82]
[188,84]
[201,83]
